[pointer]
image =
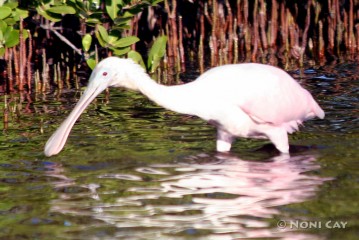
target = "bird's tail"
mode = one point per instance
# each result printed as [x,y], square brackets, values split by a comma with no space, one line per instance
[317,111]
[314,109]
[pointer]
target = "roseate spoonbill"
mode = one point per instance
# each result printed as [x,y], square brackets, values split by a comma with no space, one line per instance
[242,100]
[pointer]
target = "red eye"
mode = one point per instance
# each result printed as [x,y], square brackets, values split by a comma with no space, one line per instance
[104,74]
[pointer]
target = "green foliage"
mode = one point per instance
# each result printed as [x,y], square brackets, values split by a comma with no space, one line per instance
[11,37]
[10,16]
[86,42]
[106,20]
[4,12]
[89,11]
[117,15]
[126,41]
[113,7]
[91,62]
[102,35]
[53,10]
[157,52]
[62,10]
[113,40]
[135,56]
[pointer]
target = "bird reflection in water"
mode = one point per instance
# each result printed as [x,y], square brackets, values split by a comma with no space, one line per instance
[225,195]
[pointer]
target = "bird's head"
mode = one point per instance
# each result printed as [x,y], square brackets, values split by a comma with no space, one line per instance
[114,72]
[110,72]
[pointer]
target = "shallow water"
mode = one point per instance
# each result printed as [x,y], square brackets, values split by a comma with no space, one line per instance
[132,170]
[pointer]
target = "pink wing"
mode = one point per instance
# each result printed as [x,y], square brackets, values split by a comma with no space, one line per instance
[266,93]
[281,101]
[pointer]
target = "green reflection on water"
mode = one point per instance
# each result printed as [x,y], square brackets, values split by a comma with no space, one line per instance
[109,164]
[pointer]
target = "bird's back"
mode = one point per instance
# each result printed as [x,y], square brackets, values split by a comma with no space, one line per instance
[264,92]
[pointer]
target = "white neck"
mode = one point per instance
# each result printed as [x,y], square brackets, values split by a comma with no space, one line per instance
[174,98]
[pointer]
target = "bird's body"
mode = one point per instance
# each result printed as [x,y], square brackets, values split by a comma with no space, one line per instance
[241,100]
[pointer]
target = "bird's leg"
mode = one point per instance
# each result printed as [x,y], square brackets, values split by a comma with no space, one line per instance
[279,138]
[224,141]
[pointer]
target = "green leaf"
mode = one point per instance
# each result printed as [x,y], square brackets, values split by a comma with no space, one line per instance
[5,12]
[62,10]
[103,33]
[12,39]
[157,51]
[86,42]
[155,2]
[10,21]
[121,51]
[112,8]
[12,4]
[122,20]
[7,31]
[136,57]
[91,63]
[92,21]
[112,39]
[126,41]
[49,16]
[19,13]
[99,39]
[3,26]
[121,27]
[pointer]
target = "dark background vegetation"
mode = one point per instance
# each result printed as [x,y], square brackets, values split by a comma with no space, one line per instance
[277,32]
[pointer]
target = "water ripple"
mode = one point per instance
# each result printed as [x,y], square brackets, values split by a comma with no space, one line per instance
[235,197]
[129,177]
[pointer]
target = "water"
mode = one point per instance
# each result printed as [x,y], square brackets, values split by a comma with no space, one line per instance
[132,170]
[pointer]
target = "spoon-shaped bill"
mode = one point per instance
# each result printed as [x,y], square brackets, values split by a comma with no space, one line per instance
[58,139]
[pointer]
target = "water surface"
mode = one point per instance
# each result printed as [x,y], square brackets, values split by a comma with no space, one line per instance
[132,170]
